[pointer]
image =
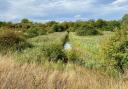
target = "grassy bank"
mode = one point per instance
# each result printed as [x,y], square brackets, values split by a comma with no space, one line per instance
[88,48]
[45,48]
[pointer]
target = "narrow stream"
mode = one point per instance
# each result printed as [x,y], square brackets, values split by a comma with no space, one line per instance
[67,45]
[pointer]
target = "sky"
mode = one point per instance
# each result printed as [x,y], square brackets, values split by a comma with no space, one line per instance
[62,10]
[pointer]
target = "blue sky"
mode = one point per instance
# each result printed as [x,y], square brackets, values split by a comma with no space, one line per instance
[62,10]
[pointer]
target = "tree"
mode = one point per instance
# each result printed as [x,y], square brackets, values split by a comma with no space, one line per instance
[125,17]
[25,21]
[58,28]
[2,24]
[111,25]
[125,20]
[100,23]
[51,23]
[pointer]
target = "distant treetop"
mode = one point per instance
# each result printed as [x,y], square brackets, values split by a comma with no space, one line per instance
[25,20]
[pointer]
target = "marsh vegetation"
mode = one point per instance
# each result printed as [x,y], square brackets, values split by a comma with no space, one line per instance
[69,55]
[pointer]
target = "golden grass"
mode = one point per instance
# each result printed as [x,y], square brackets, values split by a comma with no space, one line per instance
[32,76]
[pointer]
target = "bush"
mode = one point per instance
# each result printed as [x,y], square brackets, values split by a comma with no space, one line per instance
[87,32]
[55,53]
[50,30]
[35,32]
[115,51]
[72,56]
[10,40]
[71,29]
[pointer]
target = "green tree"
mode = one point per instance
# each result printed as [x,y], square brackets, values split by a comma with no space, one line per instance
[51,23]
[125,21]
[100,23]
[125,17]
[111,25]
[25,21]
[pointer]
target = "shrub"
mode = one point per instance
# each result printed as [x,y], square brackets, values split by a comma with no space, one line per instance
[71,29]
[56,28]
[54,53]
[50,30]
[10,40]
[72,56]
[35,32]
[85,32]
[115,51]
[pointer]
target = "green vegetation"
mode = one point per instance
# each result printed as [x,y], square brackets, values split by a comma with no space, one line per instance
[86,32]
[46,48]
[25,25]
[115,51]
[43,43]
[88,48]
[33,32]
[12,41]
[107,52]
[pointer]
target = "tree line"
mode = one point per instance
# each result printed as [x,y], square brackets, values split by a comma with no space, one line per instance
[53,26]
[90,27]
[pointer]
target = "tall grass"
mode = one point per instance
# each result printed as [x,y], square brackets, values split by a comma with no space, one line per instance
[33,76]
[88,48]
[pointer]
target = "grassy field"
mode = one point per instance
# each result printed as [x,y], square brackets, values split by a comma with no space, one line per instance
[33,70]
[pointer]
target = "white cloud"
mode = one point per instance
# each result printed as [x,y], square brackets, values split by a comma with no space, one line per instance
[120,2]
[43,10]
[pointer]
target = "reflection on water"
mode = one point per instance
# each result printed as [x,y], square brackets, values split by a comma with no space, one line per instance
[67,45]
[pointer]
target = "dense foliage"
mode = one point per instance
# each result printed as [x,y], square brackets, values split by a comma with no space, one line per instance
[116,51]
[32,32]
[54,53]
[54,26]
[10,40]
[85,32]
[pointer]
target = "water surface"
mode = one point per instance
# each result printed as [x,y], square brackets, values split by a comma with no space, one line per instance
[67,45]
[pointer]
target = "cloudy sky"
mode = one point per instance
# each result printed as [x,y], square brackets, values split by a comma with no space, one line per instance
[62,10]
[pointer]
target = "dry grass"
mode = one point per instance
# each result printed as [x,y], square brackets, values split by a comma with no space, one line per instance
[31,76]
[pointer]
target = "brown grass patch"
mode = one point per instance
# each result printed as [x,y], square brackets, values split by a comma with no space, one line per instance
[16,76]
